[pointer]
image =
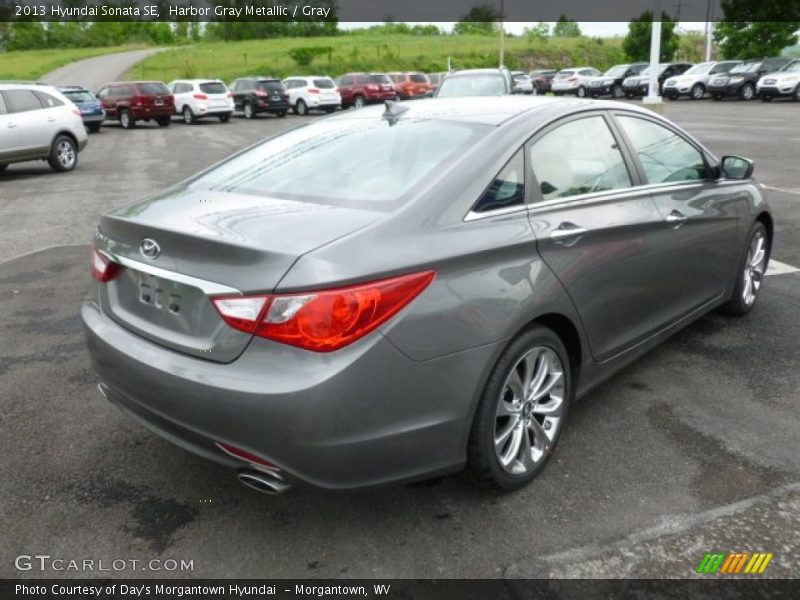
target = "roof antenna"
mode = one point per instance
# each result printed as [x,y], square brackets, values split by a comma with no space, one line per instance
[393,112]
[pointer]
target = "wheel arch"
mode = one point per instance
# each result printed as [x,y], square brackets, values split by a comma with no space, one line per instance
[766,219]
[568,332]
[67,133]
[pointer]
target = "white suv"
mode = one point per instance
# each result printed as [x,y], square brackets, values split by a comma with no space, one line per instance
[309,93]
[197,98]
[574,80]
[39,123]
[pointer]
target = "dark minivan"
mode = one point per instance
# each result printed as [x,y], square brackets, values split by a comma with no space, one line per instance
[256,95]
[131,101]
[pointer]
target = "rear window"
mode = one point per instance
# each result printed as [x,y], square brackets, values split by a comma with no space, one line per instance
[324,84]
[80,96]
[472,85]
[565,74]
[419,78]
[213,87]
[379,79]
[152,89]
[271,86]
[354,163]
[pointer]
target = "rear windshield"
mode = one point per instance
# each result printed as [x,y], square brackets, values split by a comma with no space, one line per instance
[213,87]
[564,74]
[272,86]
[354,163]
[419,78]
[80,96]
[472,85]
[324,84]
[152,88]
[379,79]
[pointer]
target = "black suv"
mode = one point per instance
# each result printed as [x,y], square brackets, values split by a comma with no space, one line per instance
[610,82]
[742,79]
[638,85]
[255,95]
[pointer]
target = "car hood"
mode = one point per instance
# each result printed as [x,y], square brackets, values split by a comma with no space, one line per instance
[782,76]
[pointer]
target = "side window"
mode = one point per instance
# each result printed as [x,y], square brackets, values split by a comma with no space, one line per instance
[579,157]
[346,81]
[361,79]
[128,90]
[235,86]
[22,101]
[665,155]
[507,189]
[102,93]
[47,100]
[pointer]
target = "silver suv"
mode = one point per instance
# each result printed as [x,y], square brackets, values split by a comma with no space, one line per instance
[37,122]
[694,82]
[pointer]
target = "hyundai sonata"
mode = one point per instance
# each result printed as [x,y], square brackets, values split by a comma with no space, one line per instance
[396,293]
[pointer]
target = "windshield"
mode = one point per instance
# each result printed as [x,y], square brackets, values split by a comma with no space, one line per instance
[353,163]
[793,67]
[564,74]
[213,87]
[472,85]
[419,78]
[746,68]
[617,71]
[384,79]
[80,96]
[700,69]
[661,69]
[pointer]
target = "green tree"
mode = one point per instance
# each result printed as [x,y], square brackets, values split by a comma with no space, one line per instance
[565,27]
[540,31]
[637,43]
[756,29]
[481,19]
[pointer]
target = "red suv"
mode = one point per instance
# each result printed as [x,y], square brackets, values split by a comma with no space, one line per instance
[131,101]
[411,85]
[360,89]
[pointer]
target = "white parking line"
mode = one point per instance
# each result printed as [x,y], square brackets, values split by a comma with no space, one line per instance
[784,190]
[779,268]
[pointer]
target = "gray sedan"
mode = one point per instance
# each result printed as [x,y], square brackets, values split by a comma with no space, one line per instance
[402,292]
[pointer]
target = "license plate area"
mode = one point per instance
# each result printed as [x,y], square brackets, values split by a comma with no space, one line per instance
[159,293]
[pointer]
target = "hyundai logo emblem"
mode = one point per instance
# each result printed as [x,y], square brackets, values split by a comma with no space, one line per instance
[150,249]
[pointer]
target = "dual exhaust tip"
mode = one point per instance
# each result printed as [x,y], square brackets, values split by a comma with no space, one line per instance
[263,482]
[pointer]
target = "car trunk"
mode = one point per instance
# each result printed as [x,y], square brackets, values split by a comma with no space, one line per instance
[217,95]
[210,243]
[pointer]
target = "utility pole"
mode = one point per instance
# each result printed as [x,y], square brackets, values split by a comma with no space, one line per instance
[653,96]
[502,35]
[709,17]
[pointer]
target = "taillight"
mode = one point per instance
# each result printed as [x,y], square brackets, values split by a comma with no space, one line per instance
[572,79]
[313,91]
[259,93]
[373,88]
[137,101]
[200,97]
[229,94]
[102,268]
[76,112]
[323,321]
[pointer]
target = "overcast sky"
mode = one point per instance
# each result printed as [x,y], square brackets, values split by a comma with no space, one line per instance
[593,29]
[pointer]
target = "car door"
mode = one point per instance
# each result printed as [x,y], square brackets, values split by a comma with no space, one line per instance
[34,125]
[9,132]
[701,212]
[594,225]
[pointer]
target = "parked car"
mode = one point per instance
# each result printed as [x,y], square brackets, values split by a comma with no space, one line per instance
[411,85]
[91,109]
[312,93]
[522,82]
[436,79]
[257,95]
[741,81]
[610,82]
[638,85]
[476,82]
[785,82]
[198,98]
[541,79]
[281,348]
[131,101]
[360,89]
[39,123]
[573,81]
[694,82]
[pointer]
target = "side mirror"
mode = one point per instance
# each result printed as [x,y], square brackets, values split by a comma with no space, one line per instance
[736,167]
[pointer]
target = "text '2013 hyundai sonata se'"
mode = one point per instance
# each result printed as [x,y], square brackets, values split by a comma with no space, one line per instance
[396,293]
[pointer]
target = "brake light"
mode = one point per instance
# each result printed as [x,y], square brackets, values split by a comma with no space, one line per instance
[259,93]
[102,268]
[373,88]
[323,321]
[313,91]
[572,79]
[200,97]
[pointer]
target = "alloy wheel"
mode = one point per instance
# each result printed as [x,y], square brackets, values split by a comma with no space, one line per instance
[581,93]
[754,268]
[747,92]
[301,108]
[248,111]
[65,152]
[359,102]
[698,92]
[188,117]
[529,411]
[125,119]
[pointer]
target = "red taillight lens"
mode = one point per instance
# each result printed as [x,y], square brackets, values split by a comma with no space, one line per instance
[200,97]
[245,455]
[373,88]
[572,79]
[103,269]
[323,321]
[313,91]
[230,94]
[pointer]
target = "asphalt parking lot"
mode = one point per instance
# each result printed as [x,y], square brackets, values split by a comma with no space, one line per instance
[694,448]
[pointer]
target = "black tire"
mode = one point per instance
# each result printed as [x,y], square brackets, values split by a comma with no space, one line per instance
[359,102]
[766,98]
[248,111]
[63,154]
[673,96]
[188,116]
[164,121]
[717,97]
[617,91]
[697,92]
[329,110]
[737,306]
[3,166]
[796,95]
[225,118]
[94,127]
[581,92]
[301,108]
[281,113]
[483,466]
[126,119]
[748,92]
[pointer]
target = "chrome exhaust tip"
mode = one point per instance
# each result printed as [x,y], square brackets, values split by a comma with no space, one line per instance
[263,482]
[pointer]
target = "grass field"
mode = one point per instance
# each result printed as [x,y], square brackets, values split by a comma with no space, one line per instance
[32,64]
[228,60]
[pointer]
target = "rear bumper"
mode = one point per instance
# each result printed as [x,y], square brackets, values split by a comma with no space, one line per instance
[365,415]
[152,112]
[94,118]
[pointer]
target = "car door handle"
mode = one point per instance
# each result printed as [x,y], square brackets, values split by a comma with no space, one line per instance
[566,231]
[676,218]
